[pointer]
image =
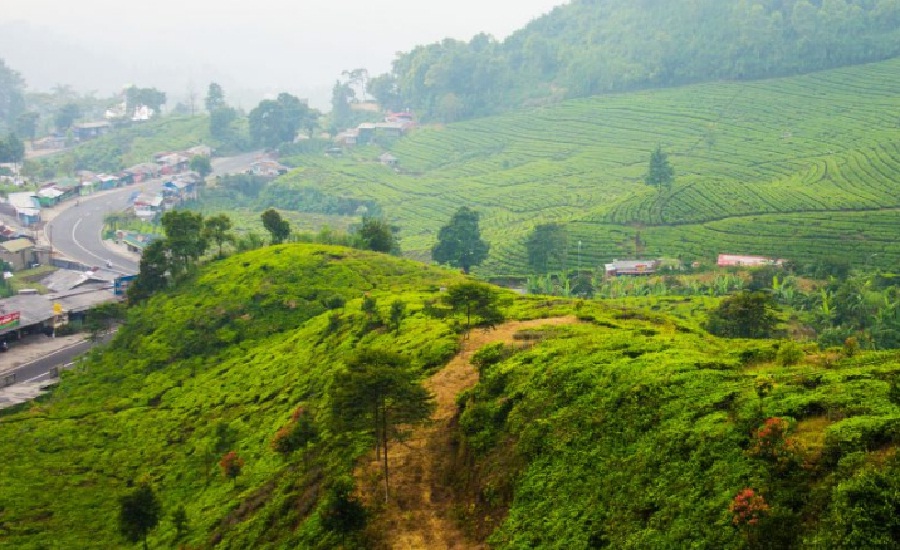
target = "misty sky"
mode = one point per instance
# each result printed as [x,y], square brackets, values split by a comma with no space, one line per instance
[263,45]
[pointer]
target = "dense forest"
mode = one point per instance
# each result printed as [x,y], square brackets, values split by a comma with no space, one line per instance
[598,46]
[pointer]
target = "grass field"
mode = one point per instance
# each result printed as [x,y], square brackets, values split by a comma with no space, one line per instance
[801,168]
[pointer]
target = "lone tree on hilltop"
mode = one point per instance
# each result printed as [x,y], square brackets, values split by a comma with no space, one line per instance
[660,173]
[459,242]
[377,235]
[277,226]
[139,513]
[475,299]
[379,392]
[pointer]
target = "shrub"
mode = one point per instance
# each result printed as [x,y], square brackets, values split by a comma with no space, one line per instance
[789,353]
[231,465]
[748,508]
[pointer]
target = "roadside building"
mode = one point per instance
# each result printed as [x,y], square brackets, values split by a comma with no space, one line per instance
[26,207]
[90,130]
[631,268]
[732,260]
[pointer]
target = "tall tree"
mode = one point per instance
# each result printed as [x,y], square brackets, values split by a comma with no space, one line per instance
[660,173]
[547,247]
[152,276]
[277,226]
[274,122]
[385,91]
[476,299]
[150,97]
[459,242]
[220,120]
[215,97]
[66,116]
[341,113]
[139,513]
[216,229]
[376,234]
[12,149]
[184,239]
[26,125]
[202,165]
[12,94]
[379,392]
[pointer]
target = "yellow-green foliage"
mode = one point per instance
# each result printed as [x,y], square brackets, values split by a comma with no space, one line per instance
[215,366]
[804,168]
[633,431]
[630,428]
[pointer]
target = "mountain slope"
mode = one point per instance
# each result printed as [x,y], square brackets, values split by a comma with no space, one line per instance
[577,435]
[588,47]
[749,154]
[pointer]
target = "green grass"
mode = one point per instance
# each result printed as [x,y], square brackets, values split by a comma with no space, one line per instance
[823,146]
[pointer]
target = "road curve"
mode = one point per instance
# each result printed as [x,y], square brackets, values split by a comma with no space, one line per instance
[76,231]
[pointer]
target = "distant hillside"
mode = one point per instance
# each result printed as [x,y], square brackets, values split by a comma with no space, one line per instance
[589,47]
[805,168]
[623,427]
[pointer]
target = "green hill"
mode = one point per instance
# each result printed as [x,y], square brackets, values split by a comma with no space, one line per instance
[628,429]
[588,47]
[804,168]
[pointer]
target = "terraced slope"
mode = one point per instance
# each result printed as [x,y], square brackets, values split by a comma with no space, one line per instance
[744,154]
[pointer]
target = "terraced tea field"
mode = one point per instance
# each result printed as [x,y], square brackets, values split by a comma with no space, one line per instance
[800,168]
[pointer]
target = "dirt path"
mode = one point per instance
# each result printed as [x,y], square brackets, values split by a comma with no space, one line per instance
[420,514]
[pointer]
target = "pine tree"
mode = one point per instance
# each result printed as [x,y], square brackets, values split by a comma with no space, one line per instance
[661,174]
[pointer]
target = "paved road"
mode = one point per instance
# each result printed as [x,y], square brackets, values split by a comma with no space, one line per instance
[39,370]
[234,165]
[76,231]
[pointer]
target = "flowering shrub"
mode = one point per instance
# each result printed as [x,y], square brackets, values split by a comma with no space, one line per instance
[231,465]
[770,442]
[748,508]
[296,434]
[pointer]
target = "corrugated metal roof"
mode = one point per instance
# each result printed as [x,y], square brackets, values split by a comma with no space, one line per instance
[17,245]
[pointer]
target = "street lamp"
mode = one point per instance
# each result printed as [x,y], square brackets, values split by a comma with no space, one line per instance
[579,255]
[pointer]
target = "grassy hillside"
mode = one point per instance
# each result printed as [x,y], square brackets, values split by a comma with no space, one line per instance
[749,158]
[631,433]
[603,431]
[215,367]
[129,146]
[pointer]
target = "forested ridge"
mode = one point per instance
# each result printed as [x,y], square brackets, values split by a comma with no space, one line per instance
[590,47]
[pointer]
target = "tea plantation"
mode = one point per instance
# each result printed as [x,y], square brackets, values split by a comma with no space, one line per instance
[755,159]
[628,429]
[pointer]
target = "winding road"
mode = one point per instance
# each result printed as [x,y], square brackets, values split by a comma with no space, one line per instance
[75,232]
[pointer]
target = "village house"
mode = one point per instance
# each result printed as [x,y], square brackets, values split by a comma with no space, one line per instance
[268,168]
[731,260]
[199,151]
[22,253]
[144,171]
[388,160]
[90,130]
[171,163]
[632,268]
[26,207]
[134,241]
[148,207]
